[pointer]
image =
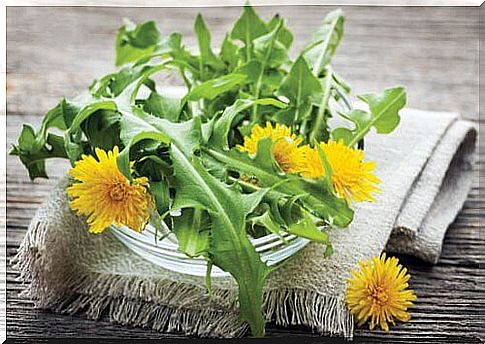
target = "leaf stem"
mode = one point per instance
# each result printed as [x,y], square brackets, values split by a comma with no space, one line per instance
[254,116]
[323,105]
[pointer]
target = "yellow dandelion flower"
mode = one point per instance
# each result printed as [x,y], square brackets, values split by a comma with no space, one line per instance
[379,292]
[285,148]
[352,177]
[103,194]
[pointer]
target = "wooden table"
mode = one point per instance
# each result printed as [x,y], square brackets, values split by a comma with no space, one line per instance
[57,52]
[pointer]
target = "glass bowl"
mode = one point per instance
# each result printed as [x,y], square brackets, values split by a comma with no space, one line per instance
[164,252]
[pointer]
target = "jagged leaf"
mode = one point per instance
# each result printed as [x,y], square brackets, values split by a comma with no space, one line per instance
[33,157]
[384,109]
[383,116]
[229,248]
[162,106]
[325,42]
[136,41]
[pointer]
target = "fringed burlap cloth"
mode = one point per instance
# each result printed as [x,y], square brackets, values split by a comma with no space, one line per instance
[425,168]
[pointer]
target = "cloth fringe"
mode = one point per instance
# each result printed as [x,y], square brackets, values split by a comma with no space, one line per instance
[128,300]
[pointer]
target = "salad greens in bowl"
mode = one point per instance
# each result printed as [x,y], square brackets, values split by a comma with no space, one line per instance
[245,154]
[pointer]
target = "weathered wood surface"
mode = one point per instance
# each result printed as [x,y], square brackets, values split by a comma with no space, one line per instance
[57,52]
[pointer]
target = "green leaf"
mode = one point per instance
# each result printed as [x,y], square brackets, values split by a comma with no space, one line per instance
[265,220]
[34,148]
[229,248]
[150,160]
[229,52]
[192,229]
[319,128]
[306,228]
[72,137]
[123,159]
[301,87]
[207,57]
[270,53]
[208,281]
[89,110]
[384,113]
[343,134]
[328,251]
[284,35]
[251,70]
[248,27]
[134,130]
[385,108]
[161,193]
[340,83]
[33,157]
[326,166]
[188,64]
[52,119]
[111,85]
[102,129]
[272,79]
[269,50]
[325,42]
[359,117]
[136,41]
[222,126]
[162,106]
[70,109]
[214,87]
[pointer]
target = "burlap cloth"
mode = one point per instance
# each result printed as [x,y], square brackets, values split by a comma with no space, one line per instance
[426,171]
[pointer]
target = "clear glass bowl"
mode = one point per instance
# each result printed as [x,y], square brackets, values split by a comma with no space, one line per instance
[164,252]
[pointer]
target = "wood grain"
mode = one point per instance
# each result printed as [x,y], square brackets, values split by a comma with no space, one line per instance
[57,52]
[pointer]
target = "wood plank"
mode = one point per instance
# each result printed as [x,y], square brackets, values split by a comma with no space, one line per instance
[431,51]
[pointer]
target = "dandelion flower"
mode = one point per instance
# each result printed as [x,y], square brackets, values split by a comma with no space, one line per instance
[379,292]
[103,194]
[352,177]
[285,147]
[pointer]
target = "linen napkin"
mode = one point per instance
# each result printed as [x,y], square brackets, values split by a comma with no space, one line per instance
[425,172]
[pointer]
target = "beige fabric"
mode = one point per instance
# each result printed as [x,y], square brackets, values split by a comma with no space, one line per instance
[72,271]
[437,195]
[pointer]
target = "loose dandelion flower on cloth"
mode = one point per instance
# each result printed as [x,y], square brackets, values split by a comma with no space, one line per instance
[379,293]
[352,177]
[285,147]
[103,194]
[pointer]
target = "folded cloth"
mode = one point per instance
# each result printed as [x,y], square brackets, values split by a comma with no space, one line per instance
[437,195]
[424,167]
